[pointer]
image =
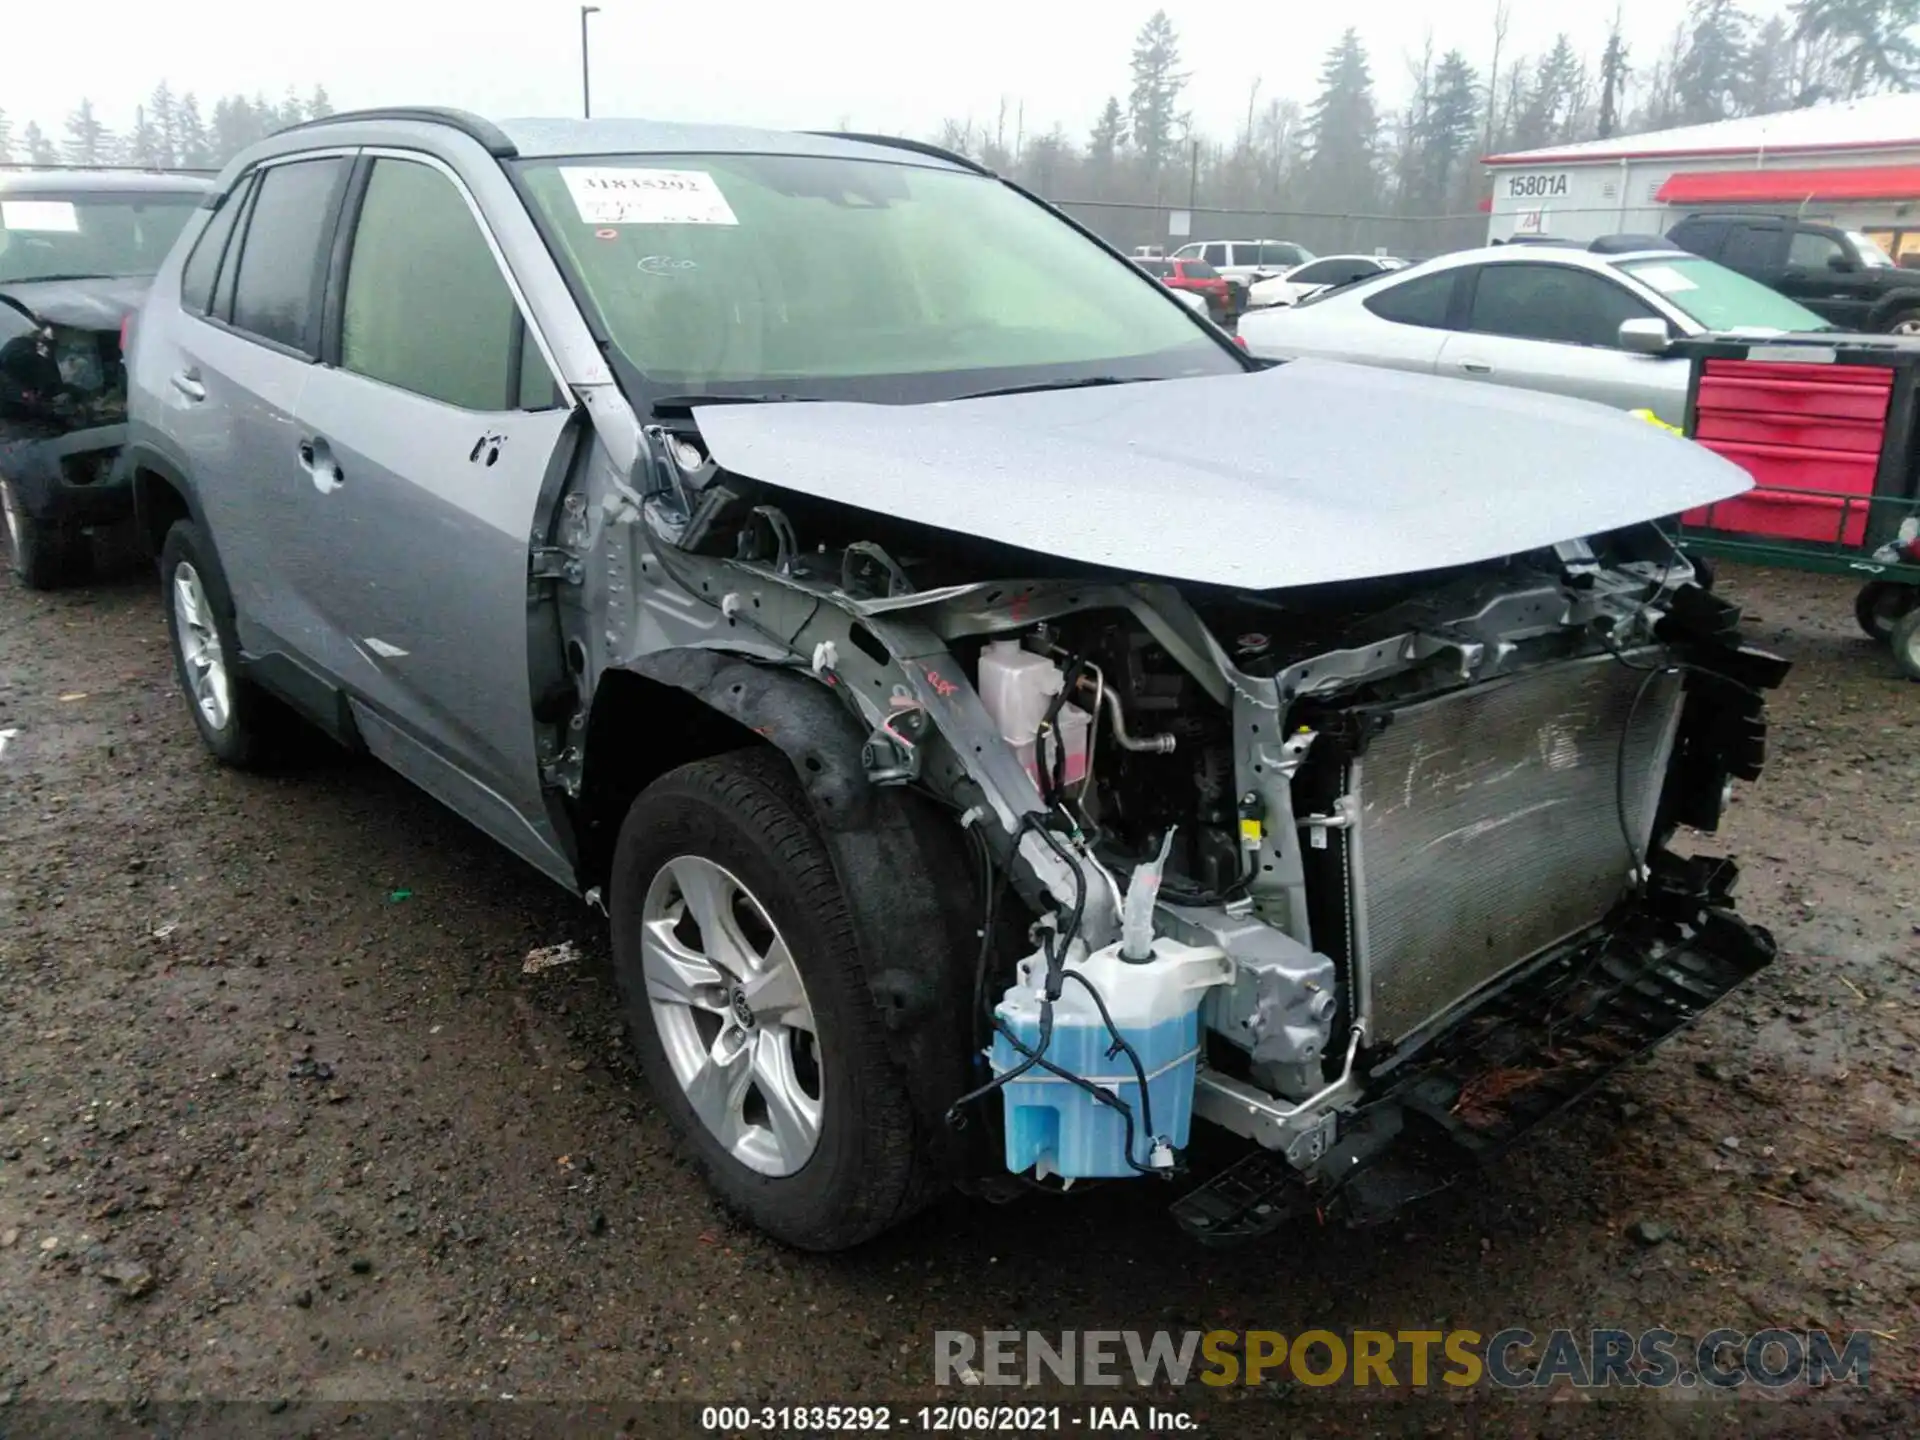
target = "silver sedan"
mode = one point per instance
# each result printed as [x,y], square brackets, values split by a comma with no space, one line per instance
[1596,326]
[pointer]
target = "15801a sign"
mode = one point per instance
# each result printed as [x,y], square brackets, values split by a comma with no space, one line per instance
[1536,187]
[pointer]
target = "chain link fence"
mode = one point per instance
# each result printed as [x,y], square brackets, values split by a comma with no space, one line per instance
[1412,237]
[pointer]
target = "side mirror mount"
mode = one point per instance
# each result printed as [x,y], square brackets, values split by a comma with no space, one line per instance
[1650,336]
[1842,264]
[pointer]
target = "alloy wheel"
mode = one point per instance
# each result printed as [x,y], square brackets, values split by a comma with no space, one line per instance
[732,1015]
[200,648]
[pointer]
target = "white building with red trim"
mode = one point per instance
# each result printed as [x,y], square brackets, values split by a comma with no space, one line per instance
[1855,164]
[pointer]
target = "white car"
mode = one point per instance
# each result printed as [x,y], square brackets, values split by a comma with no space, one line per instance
[1317,275]
[1593,324]
[1246,262]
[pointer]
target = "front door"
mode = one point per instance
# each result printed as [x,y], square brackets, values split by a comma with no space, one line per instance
[427,447]
[1824,275]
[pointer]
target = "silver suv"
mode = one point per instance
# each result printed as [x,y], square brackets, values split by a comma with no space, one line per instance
[1001,719]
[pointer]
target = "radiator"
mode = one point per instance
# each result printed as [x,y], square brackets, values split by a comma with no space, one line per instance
[1486,828]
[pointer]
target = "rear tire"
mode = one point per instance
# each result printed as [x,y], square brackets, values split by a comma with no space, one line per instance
[237,721]
[45,555]
[743,818]
[1879,606]
[1906,644]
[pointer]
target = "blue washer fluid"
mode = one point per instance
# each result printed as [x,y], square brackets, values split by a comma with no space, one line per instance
[1056,1128]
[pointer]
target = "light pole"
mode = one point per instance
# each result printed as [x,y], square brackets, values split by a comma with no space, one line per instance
[586,73]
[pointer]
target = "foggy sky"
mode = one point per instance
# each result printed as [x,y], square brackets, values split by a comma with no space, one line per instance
[901,67]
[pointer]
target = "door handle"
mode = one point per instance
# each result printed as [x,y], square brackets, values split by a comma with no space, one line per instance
[317,460]
[187,382]
[1476,367]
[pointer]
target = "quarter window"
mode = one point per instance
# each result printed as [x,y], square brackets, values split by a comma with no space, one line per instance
[1421,301]
[1553,303]
[203,265]
[427,308]
[279,268]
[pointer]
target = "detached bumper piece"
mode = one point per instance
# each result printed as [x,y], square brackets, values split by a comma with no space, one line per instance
[1531,1051]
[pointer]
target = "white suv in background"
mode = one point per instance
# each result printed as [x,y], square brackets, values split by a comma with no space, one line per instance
[1247,262]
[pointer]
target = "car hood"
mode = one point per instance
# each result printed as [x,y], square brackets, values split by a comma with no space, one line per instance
[1302,474]
[98,303]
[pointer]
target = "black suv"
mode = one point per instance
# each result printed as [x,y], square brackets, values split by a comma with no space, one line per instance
[1836,274]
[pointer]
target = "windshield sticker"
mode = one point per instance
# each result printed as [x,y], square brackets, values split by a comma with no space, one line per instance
[607,196]
[1665,279]
[39,215]
[665,265]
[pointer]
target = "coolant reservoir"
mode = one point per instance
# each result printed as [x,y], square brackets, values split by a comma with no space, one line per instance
[1056,1128]
[1017,688]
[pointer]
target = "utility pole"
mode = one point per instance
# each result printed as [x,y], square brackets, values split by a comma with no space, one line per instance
[586,71]
[1193,179]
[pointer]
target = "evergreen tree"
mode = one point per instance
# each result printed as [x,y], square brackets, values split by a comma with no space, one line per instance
[39,149]
[320,104]
[163,115]
[1873,41]
[88,141]
[143,144]
[1769,79]
[1452,120]
[1109,136]
[1712,74]
[196,152]
[1613,80]
[1153,116]
[1553,99]
[1343,129]
[6,139]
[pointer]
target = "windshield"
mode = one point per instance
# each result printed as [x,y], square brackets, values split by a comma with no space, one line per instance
[1721,299]
[122,234]
[812,276]
[1871,255]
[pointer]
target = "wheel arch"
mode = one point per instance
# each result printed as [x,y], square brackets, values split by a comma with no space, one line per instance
[1888,307]
[903,866]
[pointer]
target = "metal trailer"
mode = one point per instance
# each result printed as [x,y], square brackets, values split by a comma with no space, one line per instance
[1829,428]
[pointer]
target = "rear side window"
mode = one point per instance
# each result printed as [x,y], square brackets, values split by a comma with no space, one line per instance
[427,308]
[1421,301]
[1553,303]
[1753,247]
[203,265]
[288,231]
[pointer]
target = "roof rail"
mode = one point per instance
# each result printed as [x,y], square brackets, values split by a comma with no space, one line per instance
[919,147]
[473,126]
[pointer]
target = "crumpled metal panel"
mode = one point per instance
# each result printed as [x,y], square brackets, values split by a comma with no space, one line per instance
[1488,827]
[1304,474]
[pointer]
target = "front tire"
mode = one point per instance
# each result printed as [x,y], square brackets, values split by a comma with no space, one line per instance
[45,555]
[749,1008]
[1904,322]
[236,721]
[1906,644]
[1879,606]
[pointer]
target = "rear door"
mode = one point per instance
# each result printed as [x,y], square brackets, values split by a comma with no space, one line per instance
[245,348]
[428,439]
[1538,326]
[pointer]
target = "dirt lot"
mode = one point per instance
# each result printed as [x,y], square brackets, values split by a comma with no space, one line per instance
[282,1119]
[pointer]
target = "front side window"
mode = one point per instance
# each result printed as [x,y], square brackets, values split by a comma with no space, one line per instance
[1553,303]
[1423,300]
[843,277]
[81,235]
[1719,298]
[1199,270]
[279,270]
[1215,254]
[1810,250]
[426,307]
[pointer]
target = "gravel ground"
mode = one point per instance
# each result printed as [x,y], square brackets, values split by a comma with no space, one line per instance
[282,1118]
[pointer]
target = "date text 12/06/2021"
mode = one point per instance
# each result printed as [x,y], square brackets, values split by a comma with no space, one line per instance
[960,1419]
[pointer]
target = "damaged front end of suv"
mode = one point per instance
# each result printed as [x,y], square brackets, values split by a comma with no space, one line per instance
[1321,777]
